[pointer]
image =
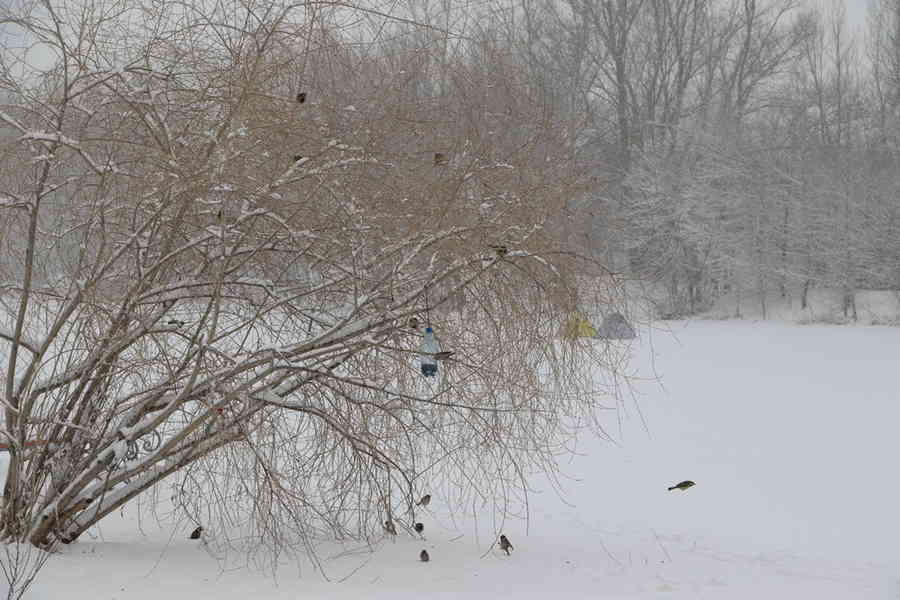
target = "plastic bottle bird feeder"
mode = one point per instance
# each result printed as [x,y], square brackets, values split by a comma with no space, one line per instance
[429,349]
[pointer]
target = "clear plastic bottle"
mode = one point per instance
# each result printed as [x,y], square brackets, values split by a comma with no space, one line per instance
[428,349]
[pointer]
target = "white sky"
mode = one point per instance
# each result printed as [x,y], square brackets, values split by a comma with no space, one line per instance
[856,14]
[856,11]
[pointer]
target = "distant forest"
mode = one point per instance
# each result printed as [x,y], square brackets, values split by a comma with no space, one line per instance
[738,146]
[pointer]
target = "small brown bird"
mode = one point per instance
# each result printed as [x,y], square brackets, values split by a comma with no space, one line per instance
[301,97]
[419,527]
[683,485]
[389,527]
[505,545]
[195,534]
[424,500]
[500,249]
[440,159]
[423,556]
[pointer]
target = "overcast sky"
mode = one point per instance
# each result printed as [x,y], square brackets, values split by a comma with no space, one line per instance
[856,11]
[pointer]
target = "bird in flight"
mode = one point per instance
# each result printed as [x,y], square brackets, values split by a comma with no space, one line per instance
[683,485]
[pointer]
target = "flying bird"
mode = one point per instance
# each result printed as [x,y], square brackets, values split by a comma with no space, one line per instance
[389,527]
[419,527]
[505,545]
[423,556]
[683,485]
[195,534]
[424,500]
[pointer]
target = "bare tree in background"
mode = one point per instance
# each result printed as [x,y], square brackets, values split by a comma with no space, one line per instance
[701,207]
[760,155]
[215,281]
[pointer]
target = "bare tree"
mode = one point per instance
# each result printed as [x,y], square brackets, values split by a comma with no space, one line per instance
[225,238]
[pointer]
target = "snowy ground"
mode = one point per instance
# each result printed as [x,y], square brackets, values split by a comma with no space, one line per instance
[789,432]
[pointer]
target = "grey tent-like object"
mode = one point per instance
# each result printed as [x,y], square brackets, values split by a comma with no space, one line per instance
[615,327]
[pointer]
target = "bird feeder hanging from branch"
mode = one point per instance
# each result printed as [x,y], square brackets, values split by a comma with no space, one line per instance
[428,350]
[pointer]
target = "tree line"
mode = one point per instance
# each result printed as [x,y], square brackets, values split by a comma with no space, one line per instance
[746,147]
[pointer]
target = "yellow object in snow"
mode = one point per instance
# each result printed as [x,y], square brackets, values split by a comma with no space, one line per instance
[576,326]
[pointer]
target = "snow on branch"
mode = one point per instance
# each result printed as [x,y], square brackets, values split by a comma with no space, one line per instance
[12,122]
[10,202]
[59,138]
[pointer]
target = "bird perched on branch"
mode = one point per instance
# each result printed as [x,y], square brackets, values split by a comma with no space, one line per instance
[195,534]
[499,249]
[419,527]
[423,556]
[505,545]
[424,500]
[389,527]
[683,485]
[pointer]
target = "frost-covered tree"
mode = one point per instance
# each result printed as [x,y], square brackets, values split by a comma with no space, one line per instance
[742,149]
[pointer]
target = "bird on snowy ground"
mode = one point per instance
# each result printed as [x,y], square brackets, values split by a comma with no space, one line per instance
[424,500]
[389,527]
[423,556]
[505,545]
[683,485]
[195,534]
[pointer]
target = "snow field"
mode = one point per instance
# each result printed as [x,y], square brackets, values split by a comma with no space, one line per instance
[788,431]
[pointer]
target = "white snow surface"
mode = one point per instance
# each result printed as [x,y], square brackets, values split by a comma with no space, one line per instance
[789,432]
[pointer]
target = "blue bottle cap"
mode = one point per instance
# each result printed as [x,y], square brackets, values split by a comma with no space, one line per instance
[429,330]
